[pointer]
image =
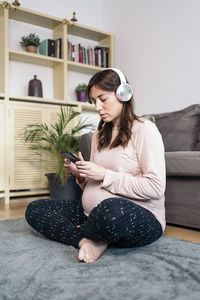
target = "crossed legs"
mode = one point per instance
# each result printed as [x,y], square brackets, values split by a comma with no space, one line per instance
[115,221]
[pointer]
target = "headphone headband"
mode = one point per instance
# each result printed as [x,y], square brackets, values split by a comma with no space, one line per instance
[120,74]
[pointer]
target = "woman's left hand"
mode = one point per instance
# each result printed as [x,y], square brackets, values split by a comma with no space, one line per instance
[90,170]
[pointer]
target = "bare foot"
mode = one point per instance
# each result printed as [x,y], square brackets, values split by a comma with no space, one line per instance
[90,251]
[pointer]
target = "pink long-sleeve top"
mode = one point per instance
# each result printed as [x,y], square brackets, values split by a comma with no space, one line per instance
[136,172]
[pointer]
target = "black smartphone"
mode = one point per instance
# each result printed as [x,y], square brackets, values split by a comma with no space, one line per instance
[70,156]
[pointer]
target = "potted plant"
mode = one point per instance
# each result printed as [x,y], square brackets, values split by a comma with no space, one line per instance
[30,42]
[56,138]
[81,92]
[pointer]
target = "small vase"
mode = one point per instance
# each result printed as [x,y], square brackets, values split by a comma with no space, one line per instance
[35,87]
[32,49]
[81,96]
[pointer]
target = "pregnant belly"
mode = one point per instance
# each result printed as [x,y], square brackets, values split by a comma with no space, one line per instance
[93,194]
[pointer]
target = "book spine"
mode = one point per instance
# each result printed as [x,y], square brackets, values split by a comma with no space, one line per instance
[60,47]
[76,53]
[107,57]
[56,48]
[51,48]
[79,53]
[102,57]
[84,55]
[82,58]
[43,49]
[99,57]
[87,56]
[95,56]
[73,53]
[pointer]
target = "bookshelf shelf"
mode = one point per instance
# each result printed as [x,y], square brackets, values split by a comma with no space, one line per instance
[32,17]
[44,100]
[87,107]
[83,105]
[87,32]
[36,99]
[79,67]
[33,58]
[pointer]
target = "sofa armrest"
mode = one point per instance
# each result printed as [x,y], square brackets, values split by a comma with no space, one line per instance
[183,163]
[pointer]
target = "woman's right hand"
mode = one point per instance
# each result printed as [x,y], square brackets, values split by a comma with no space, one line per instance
[73,169]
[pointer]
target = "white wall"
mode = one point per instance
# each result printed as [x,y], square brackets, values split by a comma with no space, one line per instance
[88,12]
[158,47]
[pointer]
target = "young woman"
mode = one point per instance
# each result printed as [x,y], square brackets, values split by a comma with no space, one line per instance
[123,183]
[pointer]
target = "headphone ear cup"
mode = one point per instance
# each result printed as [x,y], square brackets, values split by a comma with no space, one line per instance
[124,92]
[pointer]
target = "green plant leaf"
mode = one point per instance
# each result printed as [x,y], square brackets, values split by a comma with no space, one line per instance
[30,40]
[56,137]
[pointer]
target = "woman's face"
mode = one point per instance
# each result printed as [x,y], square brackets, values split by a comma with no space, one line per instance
[107,105]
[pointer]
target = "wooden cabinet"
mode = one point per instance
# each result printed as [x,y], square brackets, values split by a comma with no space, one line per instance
[20,173]
[26,170]
[2,149]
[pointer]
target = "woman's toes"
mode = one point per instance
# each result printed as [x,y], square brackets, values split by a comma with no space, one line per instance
[90,251]
[88,260]
[81,254]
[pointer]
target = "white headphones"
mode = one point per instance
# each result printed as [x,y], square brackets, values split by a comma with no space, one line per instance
[124,91]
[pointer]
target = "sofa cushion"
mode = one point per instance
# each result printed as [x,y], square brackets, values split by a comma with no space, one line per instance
[183,163]
[180,130]
[85,145]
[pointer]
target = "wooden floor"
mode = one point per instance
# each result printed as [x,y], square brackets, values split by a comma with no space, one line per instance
[16,209]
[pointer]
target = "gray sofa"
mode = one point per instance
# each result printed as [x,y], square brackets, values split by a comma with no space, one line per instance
[180,131]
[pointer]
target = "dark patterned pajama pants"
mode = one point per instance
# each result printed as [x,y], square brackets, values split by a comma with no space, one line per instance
[116,221]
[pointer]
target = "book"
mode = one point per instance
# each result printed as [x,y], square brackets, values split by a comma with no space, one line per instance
[73,53]
[101,56]
[56,48]
[96,56]
[80,53]
[47,47]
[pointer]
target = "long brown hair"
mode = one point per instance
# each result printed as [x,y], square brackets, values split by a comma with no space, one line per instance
[108,80]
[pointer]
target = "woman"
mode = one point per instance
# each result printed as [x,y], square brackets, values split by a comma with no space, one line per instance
[123,183]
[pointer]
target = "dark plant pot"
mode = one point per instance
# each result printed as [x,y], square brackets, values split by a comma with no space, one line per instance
[68,191]
[81,96]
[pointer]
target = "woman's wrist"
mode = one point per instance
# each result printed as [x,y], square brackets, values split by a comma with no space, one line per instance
[104,174]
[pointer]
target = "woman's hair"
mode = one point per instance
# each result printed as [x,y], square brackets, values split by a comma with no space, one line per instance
[108,80]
